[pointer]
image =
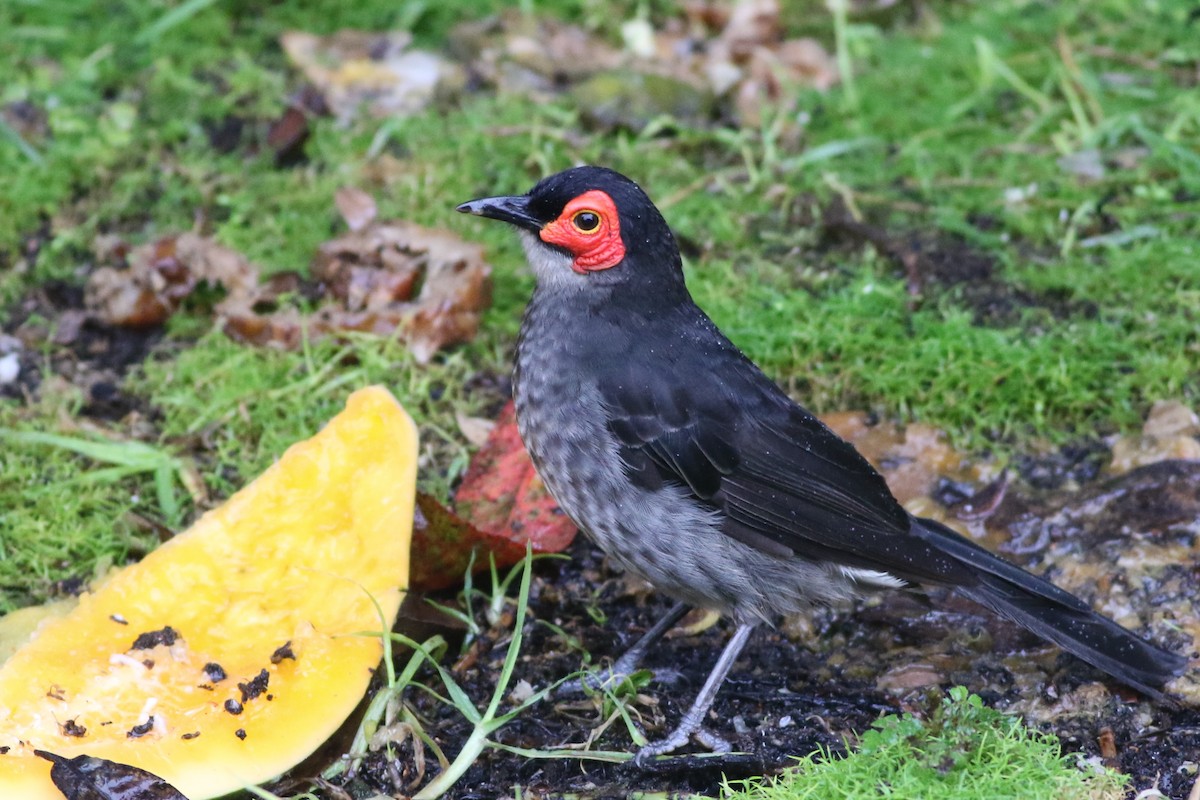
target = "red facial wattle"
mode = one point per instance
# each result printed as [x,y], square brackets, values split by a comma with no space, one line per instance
[590,229]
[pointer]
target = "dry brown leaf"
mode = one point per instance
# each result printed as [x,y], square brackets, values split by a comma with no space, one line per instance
[373,273]
[751,59]
[357,207]
[734,51]
[475,430]
[526,54]
[707,16]
[752,24]
[1169,433]
[387,275]
[160,274]
[1171,418]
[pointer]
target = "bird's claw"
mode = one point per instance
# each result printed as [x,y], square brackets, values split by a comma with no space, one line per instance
[713,741]
[677,739]
[662,747]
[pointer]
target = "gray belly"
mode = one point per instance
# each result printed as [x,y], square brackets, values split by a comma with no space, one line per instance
[664,536]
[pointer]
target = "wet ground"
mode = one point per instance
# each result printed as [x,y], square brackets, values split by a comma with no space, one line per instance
[813,681]
[50,323]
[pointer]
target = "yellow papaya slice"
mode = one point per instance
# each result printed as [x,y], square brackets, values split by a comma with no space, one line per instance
[230,653]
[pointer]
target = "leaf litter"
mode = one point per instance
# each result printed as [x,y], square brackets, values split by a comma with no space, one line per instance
[383,277]
[376,72]
[500,507]
[731,61]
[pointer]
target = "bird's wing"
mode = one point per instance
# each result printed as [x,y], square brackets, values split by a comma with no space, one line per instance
[782,481]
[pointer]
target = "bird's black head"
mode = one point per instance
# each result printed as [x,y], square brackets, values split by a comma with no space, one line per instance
[592,222]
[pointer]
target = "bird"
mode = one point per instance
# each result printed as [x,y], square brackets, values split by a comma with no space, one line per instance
[688,466]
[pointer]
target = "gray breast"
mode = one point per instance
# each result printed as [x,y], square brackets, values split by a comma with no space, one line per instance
[664,535]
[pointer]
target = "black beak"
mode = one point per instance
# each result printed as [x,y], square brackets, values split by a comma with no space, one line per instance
[514,210]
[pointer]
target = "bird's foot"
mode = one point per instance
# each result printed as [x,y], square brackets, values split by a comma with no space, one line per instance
[679,737]
[713,741]
[692,721]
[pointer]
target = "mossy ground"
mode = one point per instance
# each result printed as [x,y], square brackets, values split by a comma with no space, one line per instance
[962,749]
[961,122]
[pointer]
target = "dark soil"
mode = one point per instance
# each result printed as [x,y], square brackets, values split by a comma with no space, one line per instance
[795,689]
[59,338]
[940,264]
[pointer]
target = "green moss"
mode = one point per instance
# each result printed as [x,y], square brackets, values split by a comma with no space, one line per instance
[248,405]
[964,749]
[60,519]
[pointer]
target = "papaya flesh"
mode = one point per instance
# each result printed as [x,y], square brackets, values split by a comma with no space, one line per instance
[234,650]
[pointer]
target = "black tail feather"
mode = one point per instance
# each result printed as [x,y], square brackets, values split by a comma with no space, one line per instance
[1057,615]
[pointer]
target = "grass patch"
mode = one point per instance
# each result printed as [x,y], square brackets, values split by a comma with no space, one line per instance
[964,749]
[66,501]
[950,115]
[248,405]
[60,523]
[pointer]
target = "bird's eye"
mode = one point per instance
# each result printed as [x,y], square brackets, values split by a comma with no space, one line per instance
[586,221]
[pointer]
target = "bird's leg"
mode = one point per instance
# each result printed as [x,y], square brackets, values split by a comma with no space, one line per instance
[691,723]
[629,660]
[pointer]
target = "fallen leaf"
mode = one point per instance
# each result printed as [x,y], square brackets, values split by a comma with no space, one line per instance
[290,130]
[734,52]
[288,134]
[752,24]
[707,15]
[751,60]
[1171,418]
[357,207]
[503,506]
[372,273]
[443,544]
[529,54]
[1169,433]
[370,276]
[503,495]
[772,74]
[904,678]
[160,274]
[89,778]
